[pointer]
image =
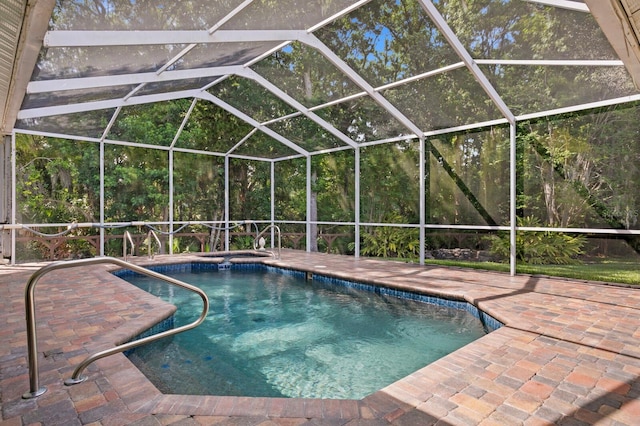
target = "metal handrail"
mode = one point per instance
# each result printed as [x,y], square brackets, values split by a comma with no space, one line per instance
[35,389]
[127,236]
[257,238]
[149,251]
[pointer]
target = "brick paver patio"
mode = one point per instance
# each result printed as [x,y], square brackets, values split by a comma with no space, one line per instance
[569,353]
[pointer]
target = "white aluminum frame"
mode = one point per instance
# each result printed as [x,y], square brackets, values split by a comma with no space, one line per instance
[284,37]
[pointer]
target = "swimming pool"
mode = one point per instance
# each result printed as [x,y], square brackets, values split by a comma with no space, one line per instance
[274,333]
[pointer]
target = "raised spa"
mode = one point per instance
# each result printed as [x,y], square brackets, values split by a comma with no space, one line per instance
[275,333]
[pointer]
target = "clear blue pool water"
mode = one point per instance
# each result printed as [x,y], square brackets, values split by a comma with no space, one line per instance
[276,335]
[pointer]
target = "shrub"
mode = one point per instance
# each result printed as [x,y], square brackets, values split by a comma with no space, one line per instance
[539,247]
[242,242]
[389,241]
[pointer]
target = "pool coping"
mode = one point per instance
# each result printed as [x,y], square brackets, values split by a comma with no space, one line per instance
[552,359]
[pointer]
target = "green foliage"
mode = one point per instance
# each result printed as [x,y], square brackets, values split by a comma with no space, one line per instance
[391,241]
[182,245]
[53,180]
[242,242]
[575,170]
[539,247]
[390,183]
[80,249]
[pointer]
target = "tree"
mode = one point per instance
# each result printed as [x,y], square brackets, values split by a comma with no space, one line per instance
[55,183]
[55,180]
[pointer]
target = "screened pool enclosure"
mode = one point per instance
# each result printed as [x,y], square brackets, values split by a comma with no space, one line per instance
[405,128]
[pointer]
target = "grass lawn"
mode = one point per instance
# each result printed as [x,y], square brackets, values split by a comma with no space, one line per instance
[612,270]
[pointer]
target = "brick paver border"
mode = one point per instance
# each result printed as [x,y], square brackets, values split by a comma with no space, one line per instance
[569,352]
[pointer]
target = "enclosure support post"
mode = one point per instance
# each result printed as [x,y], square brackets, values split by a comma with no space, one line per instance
[226,202]
[357,203]
[512,199]
[273,202]
[308,204]
[5,197]
[422,200]
[13,197]
[102,236]
[171,200]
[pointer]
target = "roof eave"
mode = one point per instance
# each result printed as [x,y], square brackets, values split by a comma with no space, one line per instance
[29,36]
[621,24]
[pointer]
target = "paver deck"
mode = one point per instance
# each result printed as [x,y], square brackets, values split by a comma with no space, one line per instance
[569,353]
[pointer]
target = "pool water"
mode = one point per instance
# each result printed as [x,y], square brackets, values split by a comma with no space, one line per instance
[276,335]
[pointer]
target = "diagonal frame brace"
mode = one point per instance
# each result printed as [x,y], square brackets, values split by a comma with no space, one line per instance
[471,64]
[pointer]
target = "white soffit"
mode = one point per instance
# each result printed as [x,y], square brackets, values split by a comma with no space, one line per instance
[12,13]
[23,24]
[620,21]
